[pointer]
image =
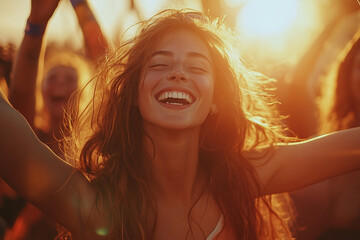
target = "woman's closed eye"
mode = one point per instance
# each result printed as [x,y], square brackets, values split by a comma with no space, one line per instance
[198,66]
[159,66]
[198,69]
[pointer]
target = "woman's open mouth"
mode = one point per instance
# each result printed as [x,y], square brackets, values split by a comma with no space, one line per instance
[175,97]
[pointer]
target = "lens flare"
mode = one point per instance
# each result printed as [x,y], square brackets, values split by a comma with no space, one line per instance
[102,231]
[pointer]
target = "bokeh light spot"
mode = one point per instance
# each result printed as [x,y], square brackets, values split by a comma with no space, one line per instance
[102,231]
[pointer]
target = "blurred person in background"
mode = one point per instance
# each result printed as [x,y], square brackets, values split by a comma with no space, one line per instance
[330,210]
[42,82]
[59,73]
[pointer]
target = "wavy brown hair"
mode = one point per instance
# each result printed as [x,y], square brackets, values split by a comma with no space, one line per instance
[336,104]
[107,136]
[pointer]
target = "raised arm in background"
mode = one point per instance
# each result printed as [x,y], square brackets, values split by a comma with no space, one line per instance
[95,42]
[26,71]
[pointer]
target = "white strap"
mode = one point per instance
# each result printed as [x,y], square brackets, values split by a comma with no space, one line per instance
[217,229]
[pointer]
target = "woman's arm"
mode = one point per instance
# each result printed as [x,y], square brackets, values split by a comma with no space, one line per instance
[300,164]
[41,177]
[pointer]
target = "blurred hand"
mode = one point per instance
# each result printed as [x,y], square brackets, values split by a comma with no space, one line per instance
[42,10]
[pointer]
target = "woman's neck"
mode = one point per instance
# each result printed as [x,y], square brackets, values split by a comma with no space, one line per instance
[174,163]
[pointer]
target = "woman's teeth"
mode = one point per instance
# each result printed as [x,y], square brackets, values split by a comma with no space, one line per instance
[175,97]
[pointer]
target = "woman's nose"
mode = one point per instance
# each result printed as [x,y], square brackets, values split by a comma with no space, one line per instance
[178,73]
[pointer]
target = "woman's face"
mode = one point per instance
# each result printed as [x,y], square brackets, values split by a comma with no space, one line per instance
[59,83]
[177,83]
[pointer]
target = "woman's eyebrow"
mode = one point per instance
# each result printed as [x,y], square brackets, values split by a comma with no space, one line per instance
[190,54]
[199,55]
[165,53]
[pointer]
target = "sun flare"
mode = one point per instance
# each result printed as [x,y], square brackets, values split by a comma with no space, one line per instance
[267,18]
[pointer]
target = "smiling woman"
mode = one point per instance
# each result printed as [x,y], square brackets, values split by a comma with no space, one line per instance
[169,120]
[180,141]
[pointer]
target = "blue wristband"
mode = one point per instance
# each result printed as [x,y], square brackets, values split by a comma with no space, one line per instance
[74,3]
[34,30]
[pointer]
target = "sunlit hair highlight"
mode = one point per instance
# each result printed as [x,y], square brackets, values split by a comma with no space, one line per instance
[336,105]
[107,136]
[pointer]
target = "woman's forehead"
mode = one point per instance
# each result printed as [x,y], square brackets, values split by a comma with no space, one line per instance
[181,40]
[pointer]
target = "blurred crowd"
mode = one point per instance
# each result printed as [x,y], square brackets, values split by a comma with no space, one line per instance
[320,94]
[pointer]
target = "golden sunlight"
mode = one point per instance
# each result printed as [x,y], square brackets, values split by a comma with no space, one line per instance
[267,18]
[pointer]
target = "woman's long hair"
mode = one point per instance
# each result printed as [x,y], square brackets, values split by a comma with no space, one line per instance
[337,105]
[107,136]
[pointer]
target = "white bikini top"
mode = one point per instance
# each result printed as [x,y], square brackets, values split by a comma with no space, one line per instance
[219,226]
